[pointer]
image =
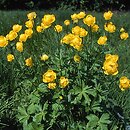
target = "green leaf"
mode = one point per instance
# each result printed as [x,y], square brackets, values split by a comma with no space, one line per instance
[102,127]
[93,121]
[31,108]
[96,107]
[37,126]
[38,118]
[44,110]
[32,126]
[77,99]
[105,119]
[27,83]
[91,92]
[27,126]
[34,98]
[22,116]
[87,99]
[42,88]
[92,117]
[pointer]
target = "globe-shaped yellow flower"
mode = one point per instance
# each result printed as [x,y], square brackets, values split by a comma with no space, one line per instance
[81,15]
[44,57]
[63,82]
[113,58]
[12,35]
[10,57]
[108,15]
[19,46]
[58,28]
[29,24]
[124,83]
[28,32]
[3,41]
[110,27]
[23,37]
[124,35]
[74,16]
[95,28]
[39,29]
[110,67]
[102,40]
[49,76]
[83,32]
[67,22]
[89,20]
[51,85]
[76,30]
[16,28]
[48,19]
[67,38]
[77,58]
[29,62]
[122,30]
[31,15]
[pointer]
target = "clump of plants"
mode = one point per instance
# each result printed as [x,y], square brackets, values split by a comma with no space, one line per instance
[67,71]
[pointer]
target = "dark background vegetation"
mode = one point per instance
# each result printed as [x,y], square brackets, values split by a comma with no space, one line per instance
[97,5]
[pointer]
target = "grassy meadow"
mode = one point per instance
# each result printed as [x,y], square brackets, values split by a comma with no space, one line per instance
[18,82]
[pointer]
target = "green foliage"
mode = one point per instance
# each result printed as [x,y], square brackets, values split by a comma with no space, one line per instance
[90,100]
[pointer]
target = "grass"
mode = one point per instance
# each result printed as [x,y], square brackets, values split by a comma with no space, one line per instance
[9,18]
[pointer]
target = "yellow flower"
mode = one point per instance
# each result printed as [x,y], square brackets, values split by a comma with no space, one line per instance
[49,76]
[51,85]
[19,46]
[89,20]
[3,41]
[58,28]
[83,32]
[95,28]
[10,57]
[110,27]
[31,15]
[17,28]
[74,17]
[110,67]
[48,19]
[76,43]
[113,58]
[102,40]
[45,26]
[63,82]
[124,35]
[67,38]
[81,15]
[29,62]
[77,58]
[124,83]
[67,22]
[122,30]
[39,29]
[79,31]
[23,38]
[12,35]
[29,24]
[28,32]
[76,30]
[44,57]
[108,15]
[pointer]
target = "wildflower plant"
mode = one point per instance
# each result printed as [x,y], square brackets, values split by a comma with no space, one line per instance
[71,71]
